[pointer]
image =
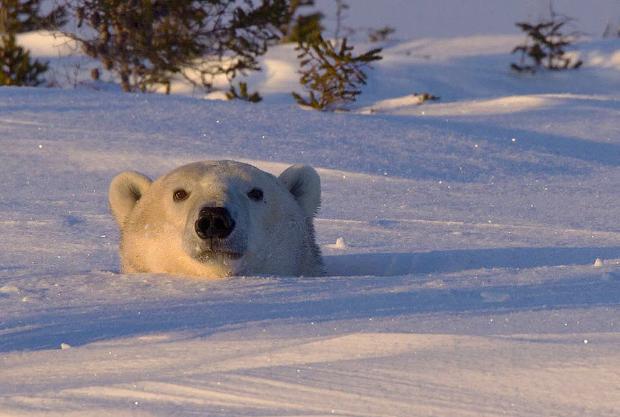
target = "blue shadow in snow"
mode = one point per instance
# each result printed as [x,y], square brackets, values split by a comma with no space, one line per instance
[320,299]
[446,261]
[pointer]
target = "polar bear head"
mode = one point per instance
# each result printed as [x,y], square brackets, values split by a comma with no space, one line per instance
[215,219]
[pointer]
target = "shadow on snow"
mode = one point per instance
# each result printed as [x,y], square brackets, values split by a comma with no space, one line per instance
[445,261]
[385,290]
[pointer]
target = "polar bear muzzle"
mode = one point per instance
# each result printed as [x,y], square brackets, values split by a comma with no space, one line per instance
[214,222]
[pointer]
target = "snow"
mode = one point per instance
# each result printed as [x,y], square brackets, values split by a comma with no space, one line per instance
[450,18]
[472,245]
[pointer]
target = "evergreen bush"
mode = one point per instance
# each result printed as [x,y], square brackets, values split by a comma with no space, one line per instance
[16,67]
[545,46]
[330,73]
[16,16]
[381,34]
[301,27]
[26,16]
[147,42]
[243,93]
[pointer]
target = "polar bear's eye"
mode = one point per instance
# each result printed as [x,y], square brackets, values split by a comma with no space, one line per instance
[256,194]
[180,195]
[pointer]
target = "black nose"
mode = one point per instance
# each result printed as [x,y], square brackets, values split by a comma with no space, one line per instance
[214,222]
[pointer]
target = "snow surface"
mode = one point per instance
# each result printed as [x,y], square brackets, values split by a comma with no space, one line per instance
[456,18]
[472,247]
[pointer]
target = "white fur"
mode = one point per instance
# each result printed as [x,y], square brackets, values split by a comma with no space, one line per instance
[274,236]
[305,185]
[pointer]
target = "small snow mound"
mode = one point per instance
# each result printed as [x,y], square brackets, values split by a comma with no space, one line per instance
[9,289]
[598,263]
[340,243]
[414,99]
[436,283]
[603,59]
[410,105]
[65,346]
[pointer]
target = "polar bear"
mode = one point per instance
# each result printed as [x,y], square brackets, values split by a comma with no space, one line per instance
[215,219]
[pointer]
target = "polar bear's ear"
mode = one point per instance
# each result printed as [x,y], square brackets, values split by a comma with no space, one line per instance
[305,184]
[125,191]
